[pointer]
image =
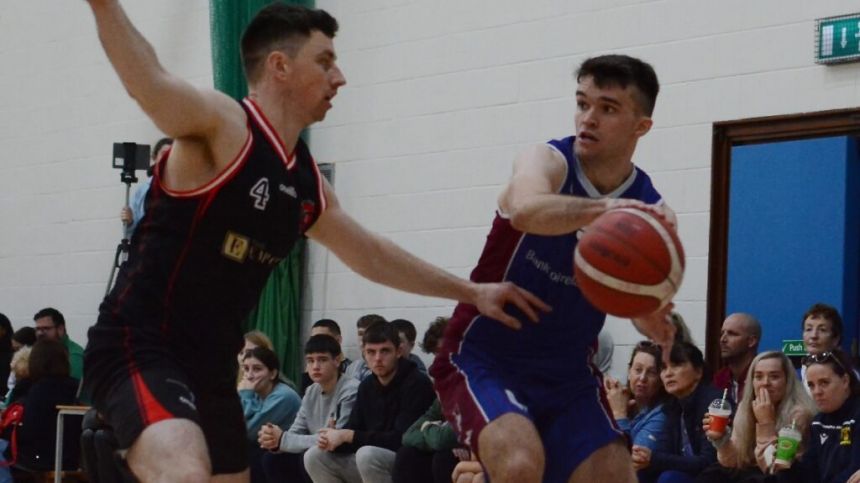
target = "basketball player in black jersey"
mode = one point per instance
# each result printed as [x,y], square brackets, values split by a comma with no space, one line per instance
[237,190]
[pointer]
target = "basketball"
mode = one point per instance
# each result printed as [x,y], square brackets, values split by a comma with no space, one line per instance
[629,262]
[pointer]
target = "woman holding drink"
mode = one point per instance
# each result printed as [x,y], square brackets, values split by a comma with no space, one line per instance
[833,452]
[687,451]
[773,407]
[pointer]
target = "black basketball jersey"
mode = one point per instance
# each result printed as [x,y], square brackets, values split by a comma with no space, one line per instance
[199,260]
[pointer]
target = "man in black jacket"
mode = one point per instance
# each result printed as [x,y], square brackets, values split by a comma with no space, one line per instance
[387,403]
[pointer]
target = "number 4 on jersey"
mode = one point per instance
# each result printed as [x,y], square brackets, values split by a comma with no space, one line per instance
[260,193]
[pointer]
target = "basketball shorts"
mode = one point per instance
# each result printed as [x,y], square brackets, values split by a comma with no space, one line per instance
[573,418]
[161,392]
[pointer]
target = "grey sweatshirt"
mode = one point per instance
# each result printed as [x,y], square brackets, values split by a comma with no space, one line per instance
[316,412]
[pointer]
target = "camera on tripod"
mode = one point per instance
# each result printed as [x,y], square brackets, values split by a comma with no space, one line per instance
[130,157]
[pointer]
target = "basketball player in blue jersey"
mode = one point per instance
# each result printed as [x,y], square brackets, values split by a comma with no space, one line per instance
[237,190]
[524,396]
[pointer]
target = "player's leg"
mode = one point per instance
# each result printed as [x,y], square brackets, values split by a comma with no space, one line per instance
[510,449]
[172,450]
[242,477]
[609,464]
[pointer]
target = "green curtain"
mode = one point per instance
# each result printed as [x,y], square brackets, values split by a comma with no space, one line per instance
[278,312]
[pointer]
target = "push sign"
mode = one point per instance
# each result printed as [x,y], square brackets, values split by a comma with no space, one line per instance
[793,348]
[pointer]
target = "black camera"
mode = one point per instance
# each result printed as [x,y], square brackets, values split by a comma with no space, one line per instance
[130,157]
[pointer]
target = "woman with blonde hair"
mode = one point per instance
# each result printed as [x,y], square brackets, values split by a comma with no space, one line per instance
[772,399]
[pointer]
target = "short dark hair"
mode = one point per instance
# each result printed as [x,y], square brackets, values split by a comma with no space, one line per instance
[277,24]
[53,313]
[407,327]
[827,312]
[380,333]
[322,343]
[267,357]
[622,71]
[25,336]
[48,358]
[329,324]
[365,321]
[685,352]
[434,334]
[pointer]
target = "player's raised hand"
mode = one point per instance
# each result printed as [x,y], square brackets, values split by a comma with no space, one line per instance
[659,328]
[491,299]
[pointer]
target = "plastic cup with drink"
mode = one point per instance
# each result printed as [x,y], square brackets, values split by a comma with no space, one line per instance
[720,410]
[786,444]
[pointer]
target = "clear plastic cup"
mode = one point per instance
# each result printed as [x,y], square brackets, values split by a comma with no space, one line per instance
[720,411]
[786,445]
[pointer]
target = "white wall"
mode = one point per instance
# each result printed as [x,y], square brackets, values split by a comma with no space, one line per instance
[442,95]
[61,108]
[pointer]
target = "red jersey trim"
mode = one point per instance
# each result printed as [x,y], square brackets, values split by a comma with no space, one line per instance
[275,140]
[320,187]
[218,180]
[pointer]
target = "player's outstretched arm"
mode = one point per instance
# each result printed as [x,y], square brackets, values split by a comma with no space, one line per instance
[378,259]
[175,106]
[659,328]
[532,201]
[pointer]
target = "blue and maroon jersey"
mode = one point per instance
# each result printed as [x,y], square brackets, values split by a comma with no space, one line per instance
[199,259]
[560,344]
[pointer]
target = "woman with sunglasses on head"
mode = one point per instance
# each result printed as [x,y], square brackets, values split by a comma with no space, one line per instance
[687,452]
[832,455]
[772,399]
[638,407]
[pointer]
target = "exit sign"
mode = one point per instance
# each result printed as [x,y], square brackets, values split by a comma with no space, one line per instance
[837,39]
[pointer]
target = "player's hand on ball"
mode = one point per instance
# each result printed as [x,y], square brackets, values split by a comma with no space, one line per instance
[659,328]
[491,299]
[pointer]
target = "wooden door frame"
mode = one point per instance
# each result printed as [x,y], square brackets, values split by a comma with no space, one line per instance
[727,134]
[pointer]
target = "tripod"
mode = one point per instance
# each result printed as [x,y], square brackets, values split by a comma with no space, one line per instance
[121,254]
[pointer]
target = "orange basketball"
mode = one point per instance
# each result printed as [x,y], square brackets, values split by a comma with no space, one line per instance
[629,262]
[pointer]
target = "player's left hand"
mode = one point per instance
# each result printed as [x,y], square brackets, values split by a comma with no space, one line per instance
[491,298]
[659,328]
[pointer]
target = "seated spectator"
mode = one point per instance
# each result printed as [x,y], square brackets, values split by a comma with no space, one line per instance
[408,334]
[253,339]
[772,399]
[265,399]
[433,335]
[51,325]
[20,369]
[822,332]
[388,401]
[833,451]
[682,332]
[23,337]
[358,369]
[332,329]
[52,385]
[739,338]
[688,452]
[428,451]
[638,407]
[327,403]
[6,351]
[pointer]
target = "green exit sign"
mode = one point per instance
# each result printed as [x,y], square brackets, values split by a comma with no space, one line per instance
[793,348]
[837,39]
